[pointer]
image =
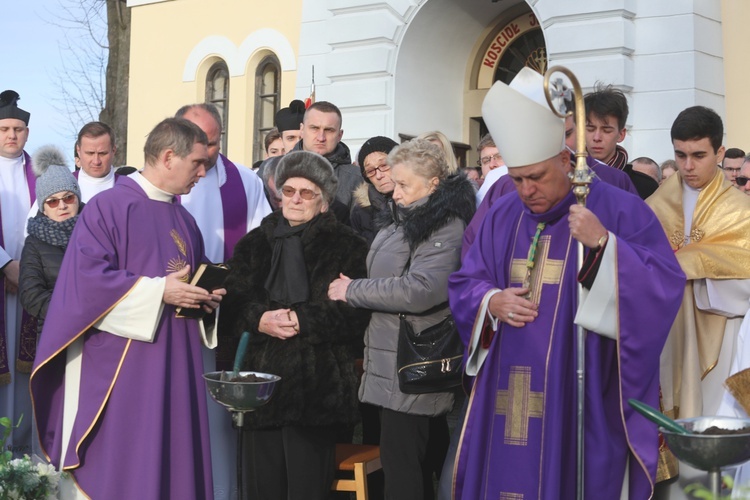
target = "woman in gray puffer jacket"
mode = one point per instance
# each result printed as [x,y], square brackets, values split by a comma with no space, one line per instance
[423,228]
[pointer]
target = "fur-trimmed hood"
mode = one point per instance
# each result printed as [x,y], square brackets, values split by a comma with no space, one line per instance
[361,195]
[453,198]
[367,196]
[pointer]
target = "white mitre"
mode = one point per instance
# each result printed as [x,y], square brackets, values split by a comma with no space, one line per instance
[525,130]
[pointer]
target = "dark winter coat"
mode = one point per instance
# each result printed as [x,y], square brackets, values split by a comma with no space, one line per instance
[431,231]
[318,380]
[40,265]
[368,202]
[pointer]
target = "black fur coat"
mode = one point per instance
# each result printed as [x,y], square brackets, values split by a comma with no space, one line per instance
[318,382]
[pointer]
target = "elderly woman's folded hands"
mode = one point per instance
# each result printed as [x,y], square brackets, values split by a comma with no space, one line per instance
[279,323]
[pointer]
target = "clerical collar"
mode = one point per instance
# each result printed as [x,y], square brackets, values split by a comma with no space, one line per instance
[153,192]
[11,162]
[83,176]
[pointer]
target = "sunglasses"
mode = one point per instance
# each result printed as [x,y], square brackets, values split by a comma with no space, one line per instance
[741,180]
[305,194]
[68,199]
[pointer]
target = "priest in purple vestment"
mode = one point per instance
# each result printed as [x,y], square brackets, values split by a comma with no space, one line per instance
[516,304]
[118,396]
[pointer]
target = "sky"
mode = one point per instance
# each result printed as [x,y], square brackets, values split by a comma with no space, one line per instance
[32,60]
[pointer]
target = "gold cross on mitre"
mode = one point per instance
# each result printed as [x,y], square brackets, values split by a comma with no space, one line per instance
[519,404]
[544,270]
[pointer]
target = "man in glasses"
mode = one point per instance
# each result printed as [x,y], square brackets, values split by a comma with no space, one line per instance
[707,222]
[493,166]
[17,193]
[116,369]
[744,177]
[732,163]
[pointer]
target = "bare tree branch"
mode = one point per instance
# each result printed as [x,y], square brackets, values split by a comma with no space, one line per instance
[93,76]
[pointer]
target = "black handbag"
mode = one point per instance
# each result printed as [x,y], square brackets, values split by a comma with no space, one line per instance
[430,360]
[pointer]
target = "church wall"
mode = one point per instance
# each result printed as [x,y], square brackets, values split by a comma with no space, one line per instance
[173,43]
[406,66]
[665,56]
[735,15]
[352,45]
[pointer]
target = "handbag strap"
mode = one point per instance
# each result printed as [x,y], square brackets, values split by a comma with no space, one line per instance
[406,268]
[403,272]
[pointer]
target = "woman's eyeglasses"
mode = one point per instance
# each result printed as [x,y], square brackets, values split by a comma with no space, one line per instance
[305,194]
[370,172]
[68,199]
[741,180]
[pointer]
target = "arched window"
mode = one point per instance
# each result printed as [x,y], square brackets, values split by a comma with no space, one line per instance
[217,93]
[267,93]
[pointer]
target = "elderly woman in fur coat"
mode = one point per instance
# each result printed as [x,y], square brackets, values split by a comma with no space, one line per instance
[409,264]
[277,290]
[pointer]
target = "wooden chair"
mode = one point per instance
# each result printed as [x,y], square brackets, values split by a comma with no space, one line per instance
[360,459]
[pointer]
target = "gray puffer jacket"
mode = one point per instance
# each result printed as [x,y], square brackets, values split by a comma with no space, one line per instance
[431,230]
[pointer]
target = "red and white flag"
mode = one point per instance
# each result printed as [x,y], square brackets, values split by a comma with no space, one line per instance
[311,99]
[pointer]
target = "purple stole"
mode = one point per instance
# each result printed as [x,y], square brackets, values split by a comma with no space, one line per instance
[27,346]
[234,207]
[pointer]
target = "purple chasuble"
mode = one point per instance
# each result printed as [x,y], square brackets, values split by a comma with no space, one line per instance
[27,338]
[504,185]
[141,430]
[519,436]
[234,207]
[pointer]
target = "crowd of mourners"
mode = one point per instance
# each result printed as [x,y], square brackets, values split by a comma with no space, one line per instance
[329,256]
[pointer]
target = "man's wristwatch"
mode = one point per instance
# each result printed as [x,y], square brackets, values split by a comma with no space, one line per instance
[602,241]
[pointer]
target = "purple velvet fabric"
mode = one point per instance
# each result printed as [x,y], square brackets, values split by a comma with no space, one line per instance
[142,427]
[490,461]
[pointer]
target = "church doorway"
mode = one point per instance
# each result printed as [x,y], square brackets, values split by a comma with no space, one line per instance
[510,46]
[448,57]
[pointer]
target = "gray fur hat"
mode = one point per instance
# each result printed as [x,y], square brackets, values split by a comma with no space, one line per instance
[310,166]
[53,175]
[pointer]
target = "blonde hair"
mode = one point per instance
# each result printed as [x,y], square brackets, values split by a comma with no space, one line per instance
[445,145]
[425,158]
